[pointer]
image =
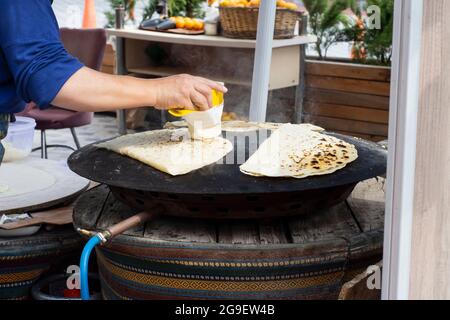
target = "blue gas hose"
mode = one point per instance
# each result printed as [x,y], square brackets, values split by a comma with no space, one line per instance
[84,265]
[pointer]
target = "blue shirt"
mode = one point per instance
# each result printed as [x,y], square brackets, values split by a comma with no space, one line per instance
[33,62]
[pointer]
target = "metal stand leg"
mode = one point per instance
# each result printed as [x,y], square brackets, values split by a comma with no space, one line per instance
[121,119]
[263,61]
[121,70]
[300,90]
[43,145]
[75,138]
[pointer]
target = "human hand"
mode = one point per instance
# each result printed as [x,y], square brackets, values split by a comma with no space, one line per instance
[185,92]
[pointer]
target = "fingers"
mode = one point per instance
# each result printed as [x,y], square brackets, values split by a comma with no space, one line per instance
[188,92]
[213,84]
[186,104]
[199,100]
[206,92]
[182,101]
[218,86]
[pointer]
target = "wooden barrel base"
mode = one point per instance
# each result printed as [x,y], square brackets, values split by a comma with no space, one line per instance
[23,260]
[306,257]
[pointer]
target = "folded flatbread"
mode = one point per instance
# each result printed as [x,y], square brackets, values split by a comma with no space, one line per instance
[170,151]
[298,151]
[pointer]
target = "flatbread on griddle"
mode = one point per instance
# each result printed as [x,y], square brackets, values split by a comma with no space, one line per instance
[299,152]
[175,124]
[170,151]
[244,126]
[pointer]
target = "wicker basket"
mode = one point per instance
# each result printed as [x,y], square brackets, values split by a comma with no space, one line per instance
[241,23]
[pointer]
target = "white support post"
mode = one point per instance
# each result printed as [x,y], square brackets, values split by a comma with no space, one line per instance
[404,105]
[263,59]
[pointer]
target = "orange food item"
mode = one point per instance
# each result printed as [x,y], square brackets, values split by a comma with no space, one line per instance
[198,25]
[254,3]
[290,6]
[281,3]
[188,23]
[234,3]
[179,21]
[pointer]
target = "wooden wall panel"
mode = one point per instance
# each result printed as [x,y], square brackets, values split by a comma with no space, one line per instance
[347,112]
[430,260]
[349,98]
[348,85]
[346,70]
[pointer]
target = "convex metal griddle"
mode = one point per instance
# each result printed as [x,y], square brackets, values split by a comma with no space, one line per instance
[221,191]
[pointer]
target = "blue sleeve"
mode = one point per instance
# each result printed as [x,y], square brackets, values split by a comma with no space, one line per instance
[30,41]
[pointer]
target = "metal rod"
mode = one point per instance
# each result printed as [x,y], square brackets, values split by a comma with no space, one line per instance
[130,223]
[43,145]
[263,60]
[300,89]
[54,146]
[75,138]
[120,66]
[120,17]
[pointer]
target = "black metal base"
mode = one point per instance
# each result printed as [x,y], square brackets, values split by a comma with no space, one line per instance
[238,206]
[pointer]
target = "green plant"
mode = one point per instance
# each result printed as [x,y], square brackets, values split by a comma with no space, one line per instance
[327,22]
[188,8]
[375,43]
[149,9]
[378,42]
[128,5]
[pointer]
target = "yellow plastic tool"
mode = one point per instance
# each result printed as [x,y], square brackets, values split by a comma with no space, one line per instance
[217,100]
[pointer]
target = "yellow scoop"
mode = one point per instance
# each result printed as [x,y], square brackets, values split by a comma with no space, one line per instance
[217,101]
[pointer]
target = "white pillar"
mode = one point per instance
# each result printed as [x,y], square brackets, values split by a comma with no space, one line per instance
[263,58]
[404,106]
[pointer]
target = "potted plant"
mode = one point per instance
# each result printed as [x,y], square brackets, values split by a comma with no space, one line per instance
[327,22]
[350,95]
[374,40]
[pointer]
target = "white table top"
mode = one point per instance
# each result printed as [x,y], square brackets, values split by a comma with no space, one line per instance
[203,40]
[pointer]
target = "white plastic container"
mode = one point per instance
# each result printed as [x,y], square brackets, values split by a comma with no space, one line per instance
[205,124]
[211,28]
[19,140]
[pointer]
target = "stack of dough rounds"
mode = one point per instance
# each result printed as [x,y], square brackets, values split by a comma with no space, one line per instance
[170,151]
[299,151]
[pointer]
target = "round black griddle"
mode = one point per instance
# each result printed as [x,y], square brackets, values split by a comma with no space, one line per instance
[221,190]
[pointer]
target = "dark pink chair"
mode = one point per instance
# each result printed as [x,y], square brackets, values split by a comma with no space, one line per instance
[88,45]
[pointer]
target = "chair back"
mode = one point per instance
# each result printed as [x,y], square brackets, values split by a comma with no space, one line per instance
[87,45]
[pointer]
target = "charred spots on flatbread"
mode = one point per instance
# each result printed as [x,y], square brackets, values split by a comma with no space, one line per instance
[307,154]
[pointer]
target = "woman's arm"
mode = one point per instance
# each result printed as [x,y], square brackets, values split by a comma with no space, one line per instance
[89,90]
[46,74]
